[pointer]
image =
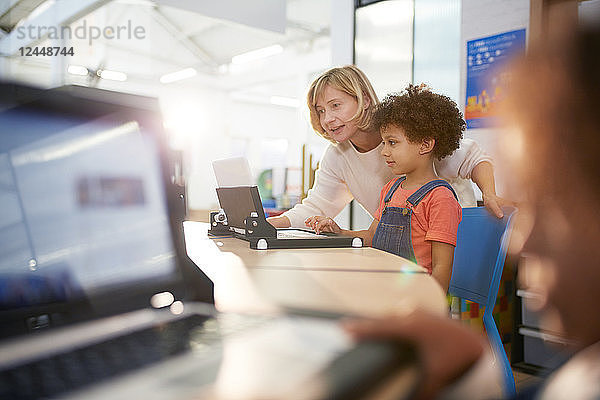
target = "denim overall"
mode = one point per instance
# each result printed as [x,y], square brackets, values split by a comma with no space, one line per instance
[393,232]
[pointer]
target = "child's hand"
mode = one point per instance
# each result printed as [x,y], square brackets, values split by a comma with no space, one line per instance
[320,223]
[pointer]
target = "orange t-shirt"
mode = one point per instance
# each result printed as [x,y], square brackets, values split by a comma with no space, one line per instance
[435,218]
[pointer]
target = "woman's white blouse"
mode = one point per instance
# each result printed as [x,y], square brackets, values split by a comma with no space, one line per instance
[345,174]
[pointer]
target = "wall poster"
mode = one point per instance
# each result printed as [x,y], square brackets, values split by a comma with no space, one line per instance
[486,82]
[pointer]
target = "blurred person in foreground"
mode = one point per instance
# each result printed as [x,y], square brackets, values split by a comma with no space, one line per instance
[551,147]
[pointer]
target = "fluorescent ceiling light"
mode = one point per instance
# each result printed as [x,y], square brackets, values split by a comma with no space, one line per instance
[285,101]
[178,75]
[249,98]
[77,70]
[257,54]
[266,100]
[112,75]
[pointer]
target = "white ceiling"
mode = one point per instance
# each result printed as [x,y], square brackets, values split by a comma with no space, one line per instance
[176,38]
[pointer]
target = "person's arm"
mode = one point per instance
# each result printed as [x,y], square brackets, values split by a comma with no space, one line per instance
[442,256]
[321,223]
[447,349]
[328,196]
[483,176]
[461,163]
[280,221]
[469,161]
[366,235]
[444,218]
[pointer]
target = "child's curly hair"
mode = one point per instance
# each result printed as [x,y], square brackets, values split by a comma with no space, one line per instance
[422,114]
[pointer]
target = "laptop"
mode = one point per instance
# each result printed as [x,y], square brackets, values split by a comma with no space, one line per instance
[242,215]
[232,171]
[98,298]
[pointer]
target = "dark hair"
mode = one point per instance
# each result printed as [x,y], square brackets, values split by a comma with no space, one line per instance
[551,154]
[560,120]
[422,114]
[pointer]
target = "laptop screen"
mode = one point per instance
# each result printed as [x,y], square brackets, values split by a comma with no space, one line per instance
[83,206]
[239,203]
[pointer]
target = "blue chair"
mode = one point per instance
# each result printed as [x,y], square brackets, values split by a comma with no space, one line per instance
[478,263]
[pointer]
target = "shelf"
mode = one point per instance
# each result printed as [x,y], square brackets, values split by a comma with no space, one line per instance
[529,368]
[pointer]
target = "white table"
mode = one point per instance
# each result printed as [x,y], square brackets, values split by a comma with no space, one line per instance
[363,281]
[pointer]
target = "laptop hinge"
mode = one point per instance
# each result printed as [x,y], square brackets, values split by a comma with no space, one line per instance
[257,226]
[218,223]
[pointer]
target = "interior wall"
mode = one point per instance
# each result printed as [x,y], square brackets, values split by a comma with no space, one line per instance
[589,12]
[481,18]
[268,136]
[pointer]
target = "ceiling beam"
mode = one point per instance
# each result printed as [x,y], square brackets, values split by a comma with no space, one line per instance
[61,13]
[15,11]
[198,52]
[6,6]
[264,14]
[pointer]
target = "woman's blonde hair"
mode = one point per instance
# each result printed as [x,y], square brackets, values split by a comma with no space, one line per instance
[348,79]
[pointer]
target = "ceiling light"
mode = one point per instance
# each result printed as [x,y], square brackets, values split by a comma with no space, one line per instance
[249,98]
[178,75]
[112,75]
[77,70]
[257,54]
[285,101]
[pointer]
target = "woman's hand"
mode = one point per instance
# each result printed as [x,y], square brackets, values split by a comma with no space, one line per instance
[494,204]
[483,176]
[320,223]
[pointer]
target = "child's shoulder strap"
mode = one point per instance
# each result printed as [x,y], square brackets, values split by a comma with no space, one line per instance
[395,186]
[417,196]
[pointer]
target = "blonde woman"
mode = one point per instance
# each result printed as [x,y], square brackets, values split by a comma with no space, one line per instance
[341,103]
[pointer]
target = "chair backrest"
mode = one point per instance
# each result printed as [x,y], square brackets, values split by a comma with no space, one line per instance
[479,255]
[478,263]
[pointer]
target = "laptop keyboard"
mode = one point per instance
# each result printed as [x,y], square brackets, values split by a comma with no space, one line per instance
[297,234]
[91,364]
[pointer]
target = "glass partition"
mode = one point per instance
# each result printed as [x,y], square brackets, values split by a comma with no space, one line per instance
[437,46]
[383,44]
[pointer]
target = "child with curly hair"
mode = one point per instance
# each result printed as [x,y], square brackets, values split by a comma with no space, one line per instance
[418,213]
